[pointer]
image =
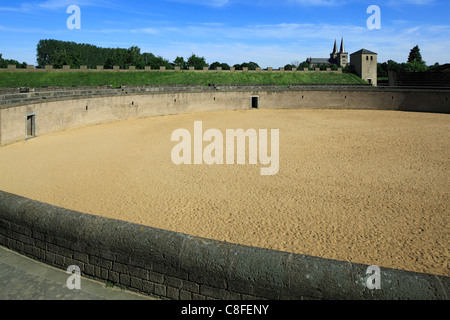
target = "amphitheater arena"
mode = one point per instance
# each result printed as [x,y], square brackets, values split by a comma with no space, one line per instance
[363,180]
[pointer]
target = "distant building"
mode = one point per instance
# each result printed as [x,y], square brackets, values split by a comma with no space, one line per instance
[364,63]
[339,58]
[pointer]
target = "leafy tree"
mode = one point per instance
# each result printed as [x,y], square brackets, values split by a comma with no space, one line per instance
[179,62]
[382,70]
[155,62]
[118,57]
[289,67]
[62,58]
[304,65]
[5,62]
[250,65]
[395,67]
[323,66]
[197,62]
[415,62]
[415,66]
[414,55]
[135,58]
[124,58]
[217,64]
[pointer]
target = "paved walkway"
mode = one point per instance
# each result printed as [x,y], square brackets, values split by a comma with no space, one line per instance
[22,278]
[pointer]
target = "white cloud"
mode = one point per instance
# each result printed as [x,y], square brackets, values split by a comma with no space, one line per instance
[209,3]
[327,3]
[397,3]
[282,43]
[58,4]
[24,7]
[152,31]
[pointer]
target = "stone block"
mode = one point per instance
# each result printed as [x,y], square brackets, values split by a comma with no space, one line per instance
[173,293]
[196,296]
[185,295]
[173,282]
[160,290]
[125,279]
[155,277]
[113,277]
[190,286]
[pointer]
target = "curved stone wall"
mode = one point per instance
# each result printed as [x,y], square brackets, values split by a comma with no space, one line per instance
[58,110]
[178,266]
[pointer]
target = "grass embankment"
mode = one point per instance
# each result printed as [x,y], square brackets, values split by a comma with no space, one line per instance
[68,79]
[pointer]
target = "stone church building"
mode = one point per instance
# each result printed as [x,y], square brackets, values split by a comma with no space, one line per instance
[362,62]
[339,58]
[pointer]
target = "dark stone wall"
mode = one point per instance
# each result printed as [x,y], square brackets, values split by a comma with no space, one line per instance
[178,266]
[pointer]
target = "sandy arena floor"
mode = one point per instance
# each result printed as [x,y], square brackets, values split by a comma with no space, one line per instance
[369,187]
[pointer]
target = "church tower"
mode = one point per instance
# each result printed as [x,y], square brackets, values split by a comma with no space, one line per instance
[334,54]
[342,56]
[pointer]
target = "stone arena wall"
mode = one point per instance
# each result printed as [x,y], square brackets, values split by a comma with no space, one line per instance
[177,266]
[62,109]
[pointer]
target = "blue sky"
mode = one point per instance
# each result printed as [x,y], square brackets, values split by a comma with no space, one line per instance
[271,33]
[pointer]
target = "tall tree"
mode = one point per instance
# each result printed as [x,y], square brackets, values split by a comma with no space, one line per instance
[415,62]
[135,58]
[414,55]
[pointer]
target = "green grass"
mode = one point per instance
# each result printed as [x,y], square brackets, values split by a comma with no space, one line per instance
[68,79]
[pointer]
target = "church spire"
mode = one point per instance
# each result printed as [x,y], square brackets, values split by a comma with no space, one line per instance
[342,46]
[335,47]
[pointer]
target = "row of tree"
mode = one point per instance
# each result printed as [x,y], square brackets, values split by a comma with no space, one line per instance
[4,63]
[59,53]
[415,63]
[305,64]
